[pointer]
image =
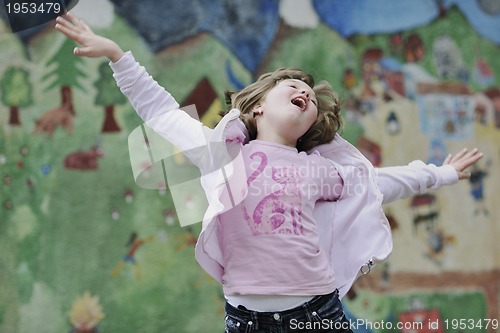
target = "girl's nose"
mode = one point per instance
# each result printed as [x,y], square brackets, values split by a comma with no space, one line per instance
[305,93]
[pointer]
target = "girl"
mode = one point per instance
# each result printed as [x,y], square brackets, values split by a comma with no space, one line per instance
[296,216]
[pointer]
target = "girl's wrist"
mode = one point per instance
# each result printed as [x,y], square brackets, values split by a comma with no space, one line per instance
[115,53]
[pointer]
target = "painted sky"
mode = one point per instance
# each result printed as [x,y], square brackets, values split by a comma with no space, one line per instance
[386,16]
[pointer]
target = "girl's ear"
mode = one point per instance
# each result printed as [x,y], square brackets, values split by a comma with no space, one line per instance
[257,109]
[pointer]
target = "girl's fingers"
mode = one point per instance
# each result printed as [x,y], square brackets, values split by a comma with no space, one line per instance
[81,24]
[462,160]
[79,51]
[67,31]
[458,155]
[65,23]
[85,51]
[470,159]
[64,20]
[447,159]
[72,22]
[474,158]
[72,18]
[86,27]
[73,28]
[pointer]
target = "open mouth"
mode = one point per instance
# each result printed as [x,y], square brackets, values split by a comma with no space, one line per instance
[300,102]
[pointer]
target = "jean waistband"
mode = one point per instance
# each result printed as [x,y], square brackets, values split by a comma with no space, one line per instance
[303,310]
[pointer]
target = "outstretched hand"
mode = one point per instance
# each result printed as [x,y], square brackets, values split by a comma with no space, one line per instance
[462,160]
[93,45]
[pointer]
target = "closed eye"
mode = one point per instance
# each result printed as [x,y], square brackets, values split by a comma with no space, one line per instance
[312,100]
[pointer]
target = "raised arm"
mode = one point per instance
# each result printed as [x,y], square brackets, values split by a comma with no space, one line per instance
[416,178]
[151,101]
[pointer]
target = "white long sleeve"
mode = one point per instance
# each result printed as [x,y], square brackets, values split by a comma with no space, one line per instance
[159,110]
[416,178]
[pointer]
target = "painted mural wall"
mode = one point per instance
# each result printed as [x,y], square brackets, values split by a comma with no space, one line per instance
[84,248]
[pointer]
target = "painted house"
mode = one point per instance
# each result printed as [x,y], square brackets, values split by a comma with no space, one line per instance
[446,110]
[204,97]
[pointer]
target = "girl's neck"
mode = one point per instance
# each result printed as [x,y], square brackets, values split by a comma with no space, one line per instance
[275,138]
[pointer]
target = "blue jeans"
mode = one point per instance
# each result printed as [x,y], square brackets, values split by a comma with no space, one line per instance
[321,314]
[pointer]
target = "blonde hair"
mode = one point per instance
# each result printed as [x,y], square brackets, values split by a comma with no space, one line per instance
[324,128]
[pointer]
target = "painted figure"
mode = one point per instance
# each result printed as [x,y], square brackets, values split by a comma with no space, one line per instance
[133,245]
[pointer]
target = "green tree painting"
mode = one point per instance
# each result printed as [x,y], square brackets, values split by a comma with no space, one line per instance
[16,91]
[108,95]
[65,75]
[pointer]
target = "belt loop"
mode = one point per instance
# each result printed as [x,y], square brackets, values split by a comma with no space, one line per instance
[305,306]
[255,319]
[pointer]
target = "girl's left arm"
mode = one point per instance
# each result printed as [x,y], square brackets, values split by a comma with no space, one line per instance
[416,178]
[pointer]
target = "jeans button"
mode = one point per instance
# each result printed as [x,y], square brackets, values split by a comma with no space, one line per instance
[276,316]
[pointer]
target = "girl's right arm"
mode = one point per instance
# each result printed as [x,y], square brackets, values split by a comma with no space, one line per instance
[149,99]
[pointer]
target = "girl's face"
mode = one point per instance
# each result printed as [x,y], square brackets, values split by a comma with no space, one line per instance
[288,110]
